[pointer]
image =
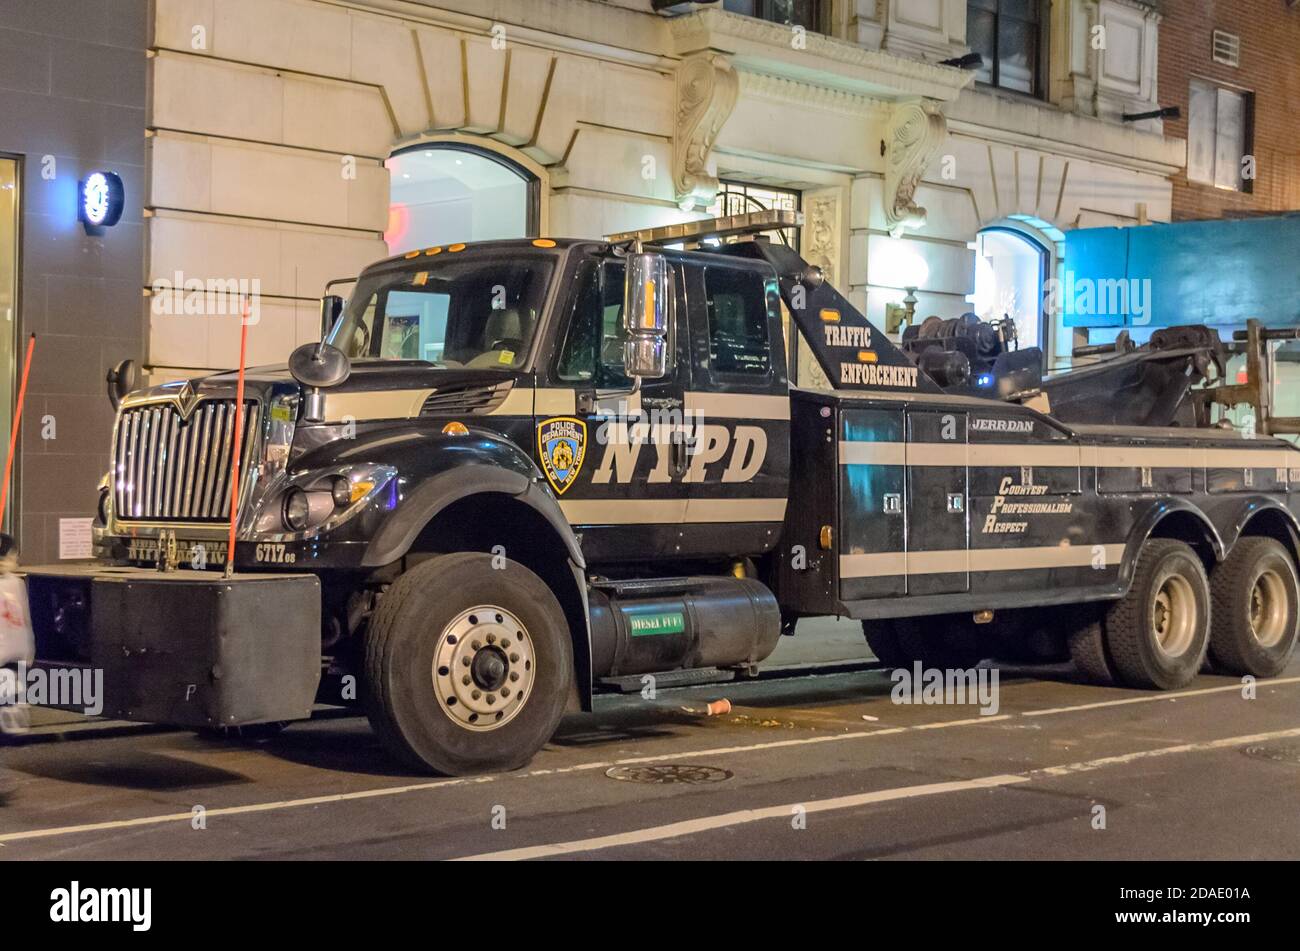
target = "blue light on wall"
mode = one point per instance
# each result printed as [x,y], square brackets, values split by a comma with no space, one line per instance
[101,197]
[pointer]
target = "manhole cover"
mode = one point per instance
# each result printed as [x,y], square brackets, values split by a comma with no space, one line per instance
[1289,754]
[662,775]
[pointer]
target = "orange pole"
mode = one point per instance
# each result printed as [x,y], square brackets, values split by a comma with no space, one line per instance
[13,433]
[239,430]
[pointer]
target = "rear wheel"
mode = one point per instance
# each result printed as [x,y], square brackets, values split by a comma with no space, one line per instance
[1157,634]
[883,641]
[942,640]
[1255,593]
[1087,642]
[468,667]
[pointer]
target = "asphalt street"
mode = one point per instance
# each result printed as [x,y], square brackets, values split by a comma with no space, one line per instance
[806,765]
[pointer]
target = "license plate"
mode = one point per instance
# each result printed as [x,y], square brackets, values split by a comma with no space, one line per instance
[188,553]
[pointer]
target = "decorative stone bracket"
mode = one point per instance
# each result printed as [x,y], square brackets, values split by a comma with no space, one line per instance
[707,87]
[916,130]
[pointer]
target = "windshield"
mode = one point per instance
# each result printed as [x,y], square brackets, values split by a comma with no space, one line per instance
[457,313]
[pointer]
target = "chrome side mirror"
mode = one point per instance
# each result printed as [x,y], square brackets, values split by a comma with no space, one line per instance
[645,316]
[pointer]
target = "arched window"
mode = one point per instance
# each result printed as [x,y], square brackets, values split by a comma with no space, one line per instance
[443,193]
[1010,271]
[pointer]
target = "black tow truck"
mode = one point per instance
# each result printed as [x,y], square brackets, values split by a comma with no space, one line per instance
[516,471]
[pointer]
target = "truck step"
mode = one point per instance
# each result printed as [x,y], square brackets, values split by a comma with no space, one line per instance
[670,678]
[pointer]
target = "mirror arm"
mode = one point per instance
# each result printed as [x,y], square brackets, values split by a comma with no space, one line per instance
[588,400]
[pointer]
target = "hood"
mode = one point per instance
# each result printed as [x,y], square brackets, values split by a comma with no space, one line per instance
[368,375]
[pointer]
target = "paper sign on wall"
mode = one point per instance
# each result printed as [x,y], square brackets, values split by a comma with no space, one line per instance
[74,538]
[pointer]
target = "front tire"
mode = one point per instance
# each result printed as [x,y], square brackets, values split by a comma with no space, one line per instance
[468,667]
[1255,592]
[1157,634]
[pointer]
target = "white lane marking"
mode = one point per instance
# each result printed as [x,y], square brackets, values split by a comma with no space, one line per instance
[1154,697]
[1125,758]
[583,767]
[709,823]
[240,810]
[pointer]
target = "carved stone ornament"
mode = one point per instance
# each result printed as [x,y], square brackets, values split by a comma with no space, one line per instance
[706,93]
[913,137]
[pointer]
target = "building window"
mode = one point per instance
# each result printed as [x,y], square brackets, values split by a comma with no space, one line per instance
[809,14]
[736,198]
[443,193]
[1011,36]
[1219,135]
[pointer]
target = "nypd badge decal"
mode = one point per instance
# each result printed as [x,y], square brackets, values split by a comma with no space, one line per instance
[561,447]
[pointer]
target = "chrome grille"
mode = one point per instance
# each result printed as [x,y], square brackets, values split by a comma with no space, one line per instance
[170,468]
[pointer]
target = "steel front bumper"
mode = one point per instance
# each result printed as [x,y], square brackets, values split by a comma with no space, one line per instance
[185,648]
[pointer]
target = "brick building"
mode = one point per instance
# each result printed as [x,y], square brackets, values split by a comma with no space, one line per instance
[1233,68]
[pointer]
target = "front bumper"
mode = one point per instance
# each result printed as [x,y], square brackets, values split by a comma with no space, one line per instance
[184,648]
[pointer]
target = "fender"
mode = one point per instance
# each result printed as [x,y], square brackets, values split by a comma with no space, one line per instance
[1253,507]
[440,490]
[491,464]
[1146,525]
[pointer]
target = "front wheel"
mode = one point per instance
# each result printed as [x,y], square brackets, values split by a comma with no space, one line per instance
[468,667]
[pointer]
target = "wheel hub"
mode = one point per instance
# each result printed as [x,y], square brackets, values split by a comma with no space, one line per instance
[1268,609]
[489,667]
[1174,616]
[483,668]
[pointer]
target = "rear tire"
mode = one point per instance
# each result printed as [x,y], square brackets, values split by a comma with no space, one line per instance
[1158,633]
[1255,592]
[883,641]
[950,641]
[1087,643]
[468,668]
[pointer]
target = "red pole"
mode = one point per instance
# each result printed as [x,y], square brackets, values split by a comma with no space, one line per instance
[13,433]
[239,429]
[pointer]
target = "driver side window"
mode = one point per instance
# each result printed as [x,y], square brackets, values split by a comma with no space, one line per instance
[593,348]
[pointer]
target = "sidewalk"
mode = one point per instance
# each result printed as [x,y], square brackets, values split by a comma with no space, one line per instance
[818,642]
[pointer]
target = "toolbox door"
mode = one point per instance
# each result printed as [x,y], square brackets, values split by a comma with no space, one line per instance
[872,512]
[938,527]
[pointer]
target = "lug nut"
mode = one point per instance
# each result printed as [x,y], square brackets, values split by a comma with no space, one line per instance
[476,694]
[514,675]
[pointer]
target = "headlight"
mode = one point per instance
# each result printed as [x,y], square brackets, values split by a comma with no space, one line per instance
[341,490]
[307,503]
[297,510]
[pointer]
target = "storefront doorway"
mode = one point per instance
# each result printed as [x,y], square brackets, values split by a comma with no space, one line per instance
[10,183]
[444,193]
[1010,271]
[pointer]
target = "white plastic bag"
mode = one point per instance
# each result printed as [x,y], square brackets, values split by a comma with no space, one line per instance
[17,644]
[17,647]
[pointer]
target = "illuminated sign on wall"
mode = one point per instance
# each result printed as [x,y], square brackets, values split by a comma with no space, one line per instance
[101,200]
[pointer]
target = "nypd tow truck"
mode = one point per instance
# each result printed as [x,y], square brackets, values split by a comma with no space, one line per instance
[516,472]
